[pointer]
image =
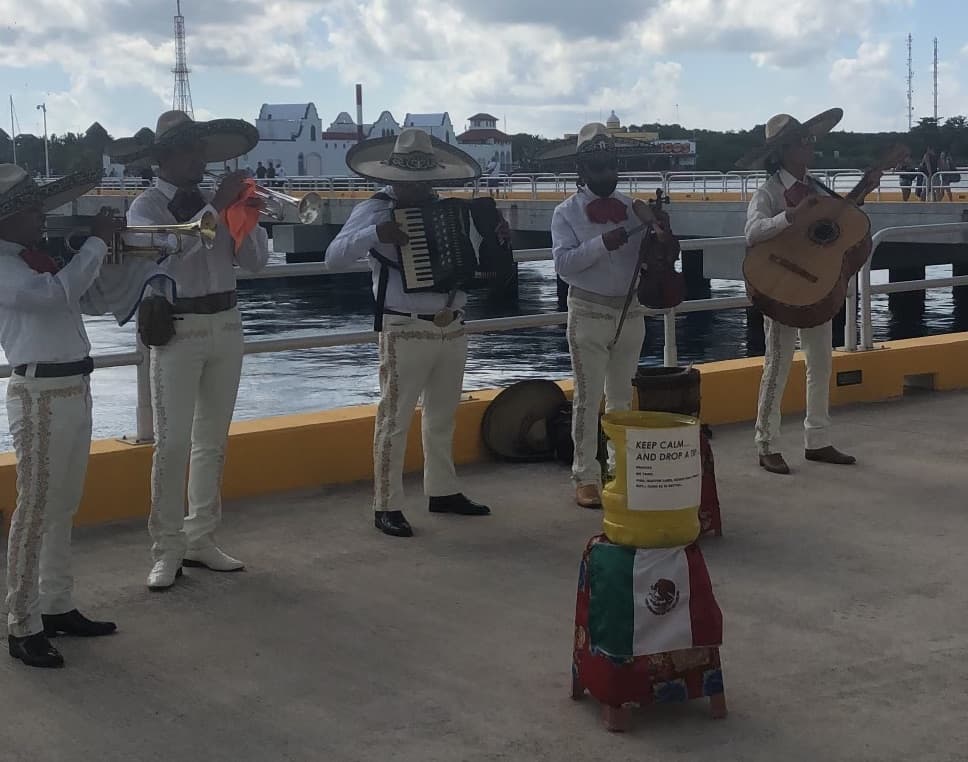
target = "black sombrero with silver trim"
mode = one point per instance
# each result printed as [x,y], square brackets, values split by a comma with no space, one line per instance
[224,139]
[19,191]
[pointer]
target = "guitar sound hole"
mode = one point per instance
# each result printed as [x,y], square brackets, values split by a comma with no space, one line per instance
[824,232]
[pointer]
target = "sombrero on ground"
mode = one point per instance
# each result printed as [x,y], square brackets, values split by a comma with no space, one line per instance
[515,424]
[413,156]
[19,191]
[224,139]
[783,129]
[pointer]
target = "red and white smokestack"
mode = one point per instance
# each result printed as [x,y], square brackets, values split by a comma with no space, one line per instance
[359,113]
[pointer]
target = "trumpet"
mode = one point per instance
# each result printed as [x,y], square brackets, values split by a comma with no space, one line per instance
[307,208]
[139,240]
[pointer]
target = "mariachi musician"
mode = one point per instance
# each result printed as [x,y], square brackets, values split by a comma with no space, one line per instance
[789,192]
[196,340]
[43,295]
[423,346]
[595,254]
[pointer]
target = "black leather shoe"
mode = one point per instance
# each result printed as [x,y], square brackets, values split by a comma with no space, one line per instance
[392,523]
[35,651]
[76,624]
[458,504]
[830,455]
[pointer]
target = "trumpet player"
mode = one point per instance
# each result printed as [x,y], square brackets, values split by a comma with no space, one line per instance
[195,341]
[48,408]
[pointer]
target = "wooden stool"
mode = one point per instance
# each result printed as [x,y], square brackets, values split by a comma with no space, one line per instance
[621,680]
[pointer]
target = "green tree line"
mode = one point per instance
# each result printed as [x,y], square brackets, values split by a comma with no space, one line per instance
[68,153]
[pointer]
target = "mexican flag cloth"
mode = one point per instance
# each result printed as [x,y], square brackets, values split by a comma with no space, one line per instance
[647,627]
[650,600]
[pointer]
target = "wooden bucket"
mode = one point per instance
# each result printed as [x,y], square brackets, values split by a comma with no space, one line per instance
[668,390]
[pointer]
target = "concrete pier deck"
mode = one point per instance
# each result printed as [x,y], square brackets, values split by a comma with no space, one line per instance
[843,591]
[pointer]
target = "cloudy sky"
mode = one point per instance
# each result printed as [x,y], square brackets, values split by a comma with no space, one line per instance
[545,65]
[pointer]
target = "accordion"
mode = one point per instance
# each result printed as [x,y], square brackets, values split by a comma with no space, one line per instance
[440,255]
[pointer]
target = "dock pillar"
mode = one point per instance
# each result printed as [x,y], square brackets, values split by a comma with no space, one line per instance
[959,293]
[697,287]
[908,305]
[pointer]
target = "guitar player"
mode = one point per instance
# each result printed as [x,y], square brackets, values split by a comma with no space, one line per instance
[787,193]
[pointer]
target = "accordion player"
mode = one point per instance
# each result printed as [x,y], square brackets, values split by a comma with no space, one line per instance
[451,242]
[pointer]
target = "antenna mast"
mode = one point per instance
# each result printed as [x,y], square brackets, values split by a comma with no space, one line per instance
[936,80]
[910,85]
[13,132]
[182,98]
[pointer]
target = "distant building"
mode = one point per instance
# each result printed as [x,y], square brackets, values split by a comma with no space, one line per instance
[614,125]
[292,134]
[638,151]
[438,125]
[484,141]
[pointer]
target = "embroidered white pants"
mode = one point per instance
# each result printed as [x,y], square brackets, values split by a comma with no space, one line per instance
[50,422]
[194,383]
[417,359]
[599,371]
[781,343]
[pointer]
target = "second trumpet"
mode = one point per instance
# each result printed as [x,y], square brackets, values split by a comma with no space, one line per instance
[307,208]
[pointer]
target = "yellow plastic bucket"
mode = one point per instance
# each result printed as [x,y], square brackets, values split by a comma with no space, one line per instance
[653,501]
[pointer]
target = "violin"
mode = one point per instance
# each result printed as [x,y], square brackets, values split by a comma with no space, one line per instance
[661,286]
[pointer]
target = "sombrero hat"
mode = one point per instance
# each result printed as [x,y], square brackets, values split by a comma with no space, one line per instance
[413,156]
[224,139]
[783,129]
[594,138]
[515,424]
[19,191]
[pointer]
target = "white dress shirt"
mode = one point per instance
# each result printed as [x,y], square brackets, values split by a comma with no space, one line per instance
[198,271]
[581,259]
[766,215]
[353,244]
[40,313]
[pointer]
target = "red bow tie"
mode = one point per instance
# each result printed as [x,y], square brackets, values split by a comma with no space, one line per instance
[796,193]
[39,261]
[604,210]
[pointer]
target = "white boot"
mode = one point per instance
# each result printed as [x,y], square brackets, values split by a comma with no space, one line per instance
[164,573]
[212,559]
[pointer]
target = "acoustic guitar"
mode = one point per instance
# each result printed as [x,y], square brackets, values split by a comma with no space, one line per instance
[799,277]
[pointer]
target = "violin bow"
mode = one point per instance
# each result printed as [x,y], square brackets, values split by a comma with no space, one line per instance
[648,227]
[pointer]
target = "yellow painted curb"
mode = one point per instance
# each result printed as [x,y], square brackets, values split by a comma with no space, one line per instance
[272,455]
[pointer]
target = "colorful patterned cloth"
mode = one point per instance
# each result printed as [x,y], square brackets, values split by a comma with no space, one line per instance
[658,678]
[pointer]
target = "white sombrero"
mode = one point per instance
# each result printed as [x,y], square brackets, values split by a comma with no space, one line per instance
[19,191]
[594,138]
[224,139]
[413,156]
[782,129]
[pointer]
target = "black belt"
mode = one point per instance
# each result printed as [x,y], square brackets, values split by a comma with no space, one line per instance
[206,305]
[430,317]
[58,369]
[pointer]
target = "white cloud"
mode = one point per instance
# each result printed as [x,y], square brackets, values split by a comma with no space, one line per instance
[868,87]
[547,64]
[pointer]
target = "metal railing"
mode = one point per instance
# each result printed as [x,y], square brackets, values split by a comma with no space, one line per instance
[536,185]
[861,290]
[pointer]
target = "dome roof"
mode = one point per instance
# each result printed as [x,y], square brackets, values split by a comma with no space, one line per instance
[613,120]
